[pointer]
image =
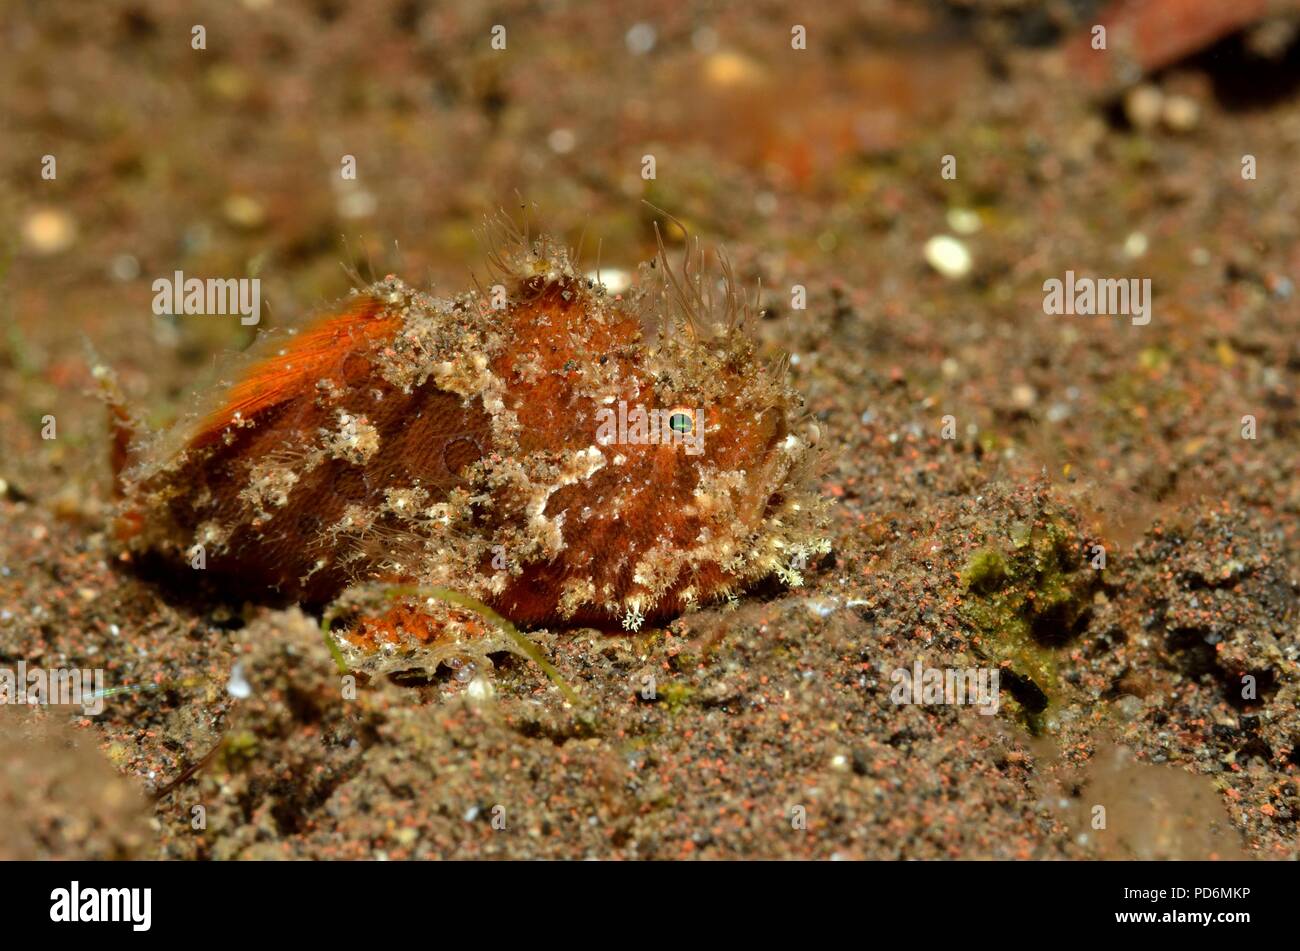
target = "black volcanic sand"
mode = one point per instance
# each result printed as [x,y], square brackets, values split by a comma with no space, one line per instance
[770,731]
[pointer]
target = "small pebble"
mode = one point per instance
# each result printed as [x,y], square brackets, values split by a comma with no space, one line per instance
[640,39]
[355,203]
[731,69]
[948,256]
[964,221]
[238,686]
[48,231]
[562,141]
[1181,113]
[1129,707]
[1143,105]
[243,211]
[124,268]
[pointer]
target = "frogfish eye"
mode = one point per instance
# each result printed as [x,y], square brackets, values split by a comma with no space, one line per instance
[681,422]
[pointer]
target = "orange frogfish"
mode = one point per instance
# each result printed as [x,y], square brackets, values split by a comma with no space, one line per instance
[560,453]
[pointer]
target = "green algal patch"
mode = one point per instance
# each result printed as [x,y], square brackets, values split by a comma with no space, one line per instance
[1027,595]
[676,695]
[238,749]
